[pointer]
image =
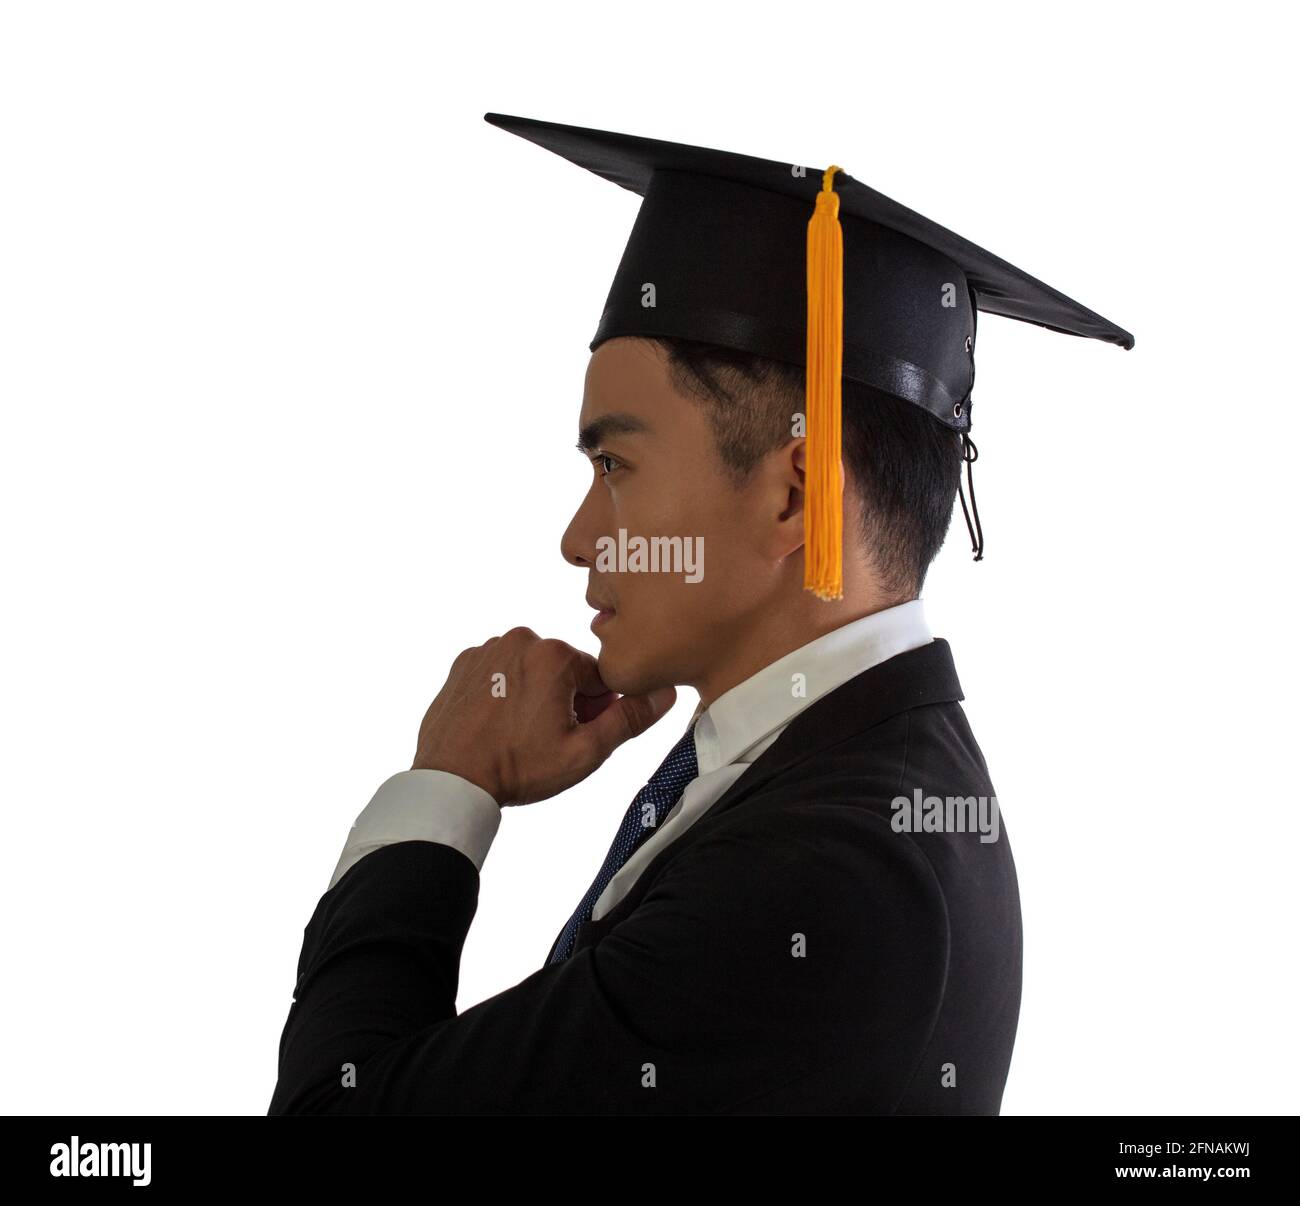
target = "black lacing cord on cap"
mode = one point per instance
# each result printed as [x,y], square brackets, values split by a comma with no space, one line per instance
[969,454]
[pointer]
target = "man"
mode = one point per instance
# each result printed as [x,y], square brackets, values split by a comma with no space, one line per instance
[812,906]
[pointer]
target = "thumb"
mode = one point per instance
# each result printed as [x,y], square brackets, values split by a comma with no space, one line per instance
[627,717]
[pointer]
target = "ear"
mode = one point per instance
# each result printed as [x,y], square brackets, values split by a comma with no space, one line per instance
[786,472]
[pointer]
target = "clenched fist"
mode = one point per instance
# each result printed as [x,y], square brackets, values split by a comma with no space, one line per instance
[525,718]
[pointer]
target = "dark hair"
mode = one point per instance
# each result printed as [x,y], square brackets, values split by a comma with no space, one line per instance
[904,462]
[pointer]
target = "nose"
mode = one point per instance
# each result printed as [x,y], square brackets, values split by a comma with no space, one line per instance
[578,544]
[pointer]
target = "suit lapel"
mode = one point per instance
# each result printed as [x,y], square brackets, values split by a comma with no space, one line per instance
[908,680]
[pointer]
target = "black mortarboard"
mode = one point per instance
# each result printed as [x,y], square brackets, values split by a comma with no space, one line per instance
[812,268]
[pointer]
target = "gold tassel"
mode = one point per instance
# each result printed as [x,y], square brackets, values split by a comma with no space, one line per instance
[824,474]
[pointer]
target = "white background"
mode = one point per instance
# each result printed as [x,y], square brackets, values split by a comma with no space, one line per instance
[291,354]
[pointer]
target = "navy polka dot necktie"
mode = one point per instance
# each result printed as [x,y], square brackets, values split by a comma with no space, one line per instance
[662,791]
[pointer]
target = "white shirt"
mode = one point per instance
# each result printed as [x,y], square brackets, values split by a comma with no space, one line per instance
[730,734]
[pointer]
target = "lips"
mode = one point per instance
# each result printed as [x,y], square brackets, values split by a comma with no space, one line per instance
[604,612]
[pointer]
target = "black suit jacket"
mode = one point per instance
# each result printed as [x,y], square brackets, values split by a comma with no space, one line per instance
[791,952]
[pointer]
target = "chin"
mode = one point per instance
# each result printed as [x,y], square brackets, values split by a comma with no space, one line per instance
[632,675]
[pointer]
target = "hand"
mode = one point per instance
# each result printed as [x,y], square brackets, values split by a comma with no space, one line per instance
[525,718]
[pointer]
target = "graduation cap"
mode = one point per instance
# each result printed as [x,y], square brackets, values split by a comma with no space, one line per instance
[813,268]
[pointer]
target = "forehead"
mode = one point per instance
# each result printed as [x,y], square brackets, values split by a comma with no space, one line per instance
[629,376]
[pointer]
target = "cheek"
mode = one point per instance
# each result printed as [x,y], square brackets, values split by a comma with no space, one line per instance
[645,511]
[680,509]
[722,559]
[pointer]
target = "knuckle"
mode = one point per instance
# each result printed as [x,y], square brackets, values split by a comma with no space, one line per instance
[553,648]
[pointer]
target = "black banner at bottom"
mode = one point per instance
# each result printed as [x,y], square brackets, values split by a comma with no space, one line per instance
[166,1154]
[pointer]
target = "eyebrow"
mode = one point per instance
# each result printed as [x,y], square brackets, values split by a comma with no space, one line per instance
[620,423]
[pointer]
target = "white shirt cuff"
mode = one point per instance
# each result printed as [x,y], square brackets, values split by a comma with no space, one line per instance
[426,806]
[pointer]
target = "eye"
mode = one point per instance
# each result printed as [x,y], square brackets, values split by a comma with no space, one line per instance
[606,463]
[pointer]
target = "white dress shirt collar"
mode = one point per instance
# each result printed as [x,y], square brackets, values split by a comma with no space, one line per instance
[767,701]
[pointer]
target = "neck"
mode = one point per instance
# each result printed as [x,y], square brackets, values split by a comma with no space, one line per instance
[778,631]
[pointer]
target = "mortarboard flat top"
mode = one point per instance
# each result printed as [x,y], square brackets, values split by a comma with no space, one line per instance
[721,236]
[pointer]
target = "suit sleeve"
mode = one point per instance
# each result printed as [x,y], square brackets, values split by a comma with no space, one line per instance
[762,954]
